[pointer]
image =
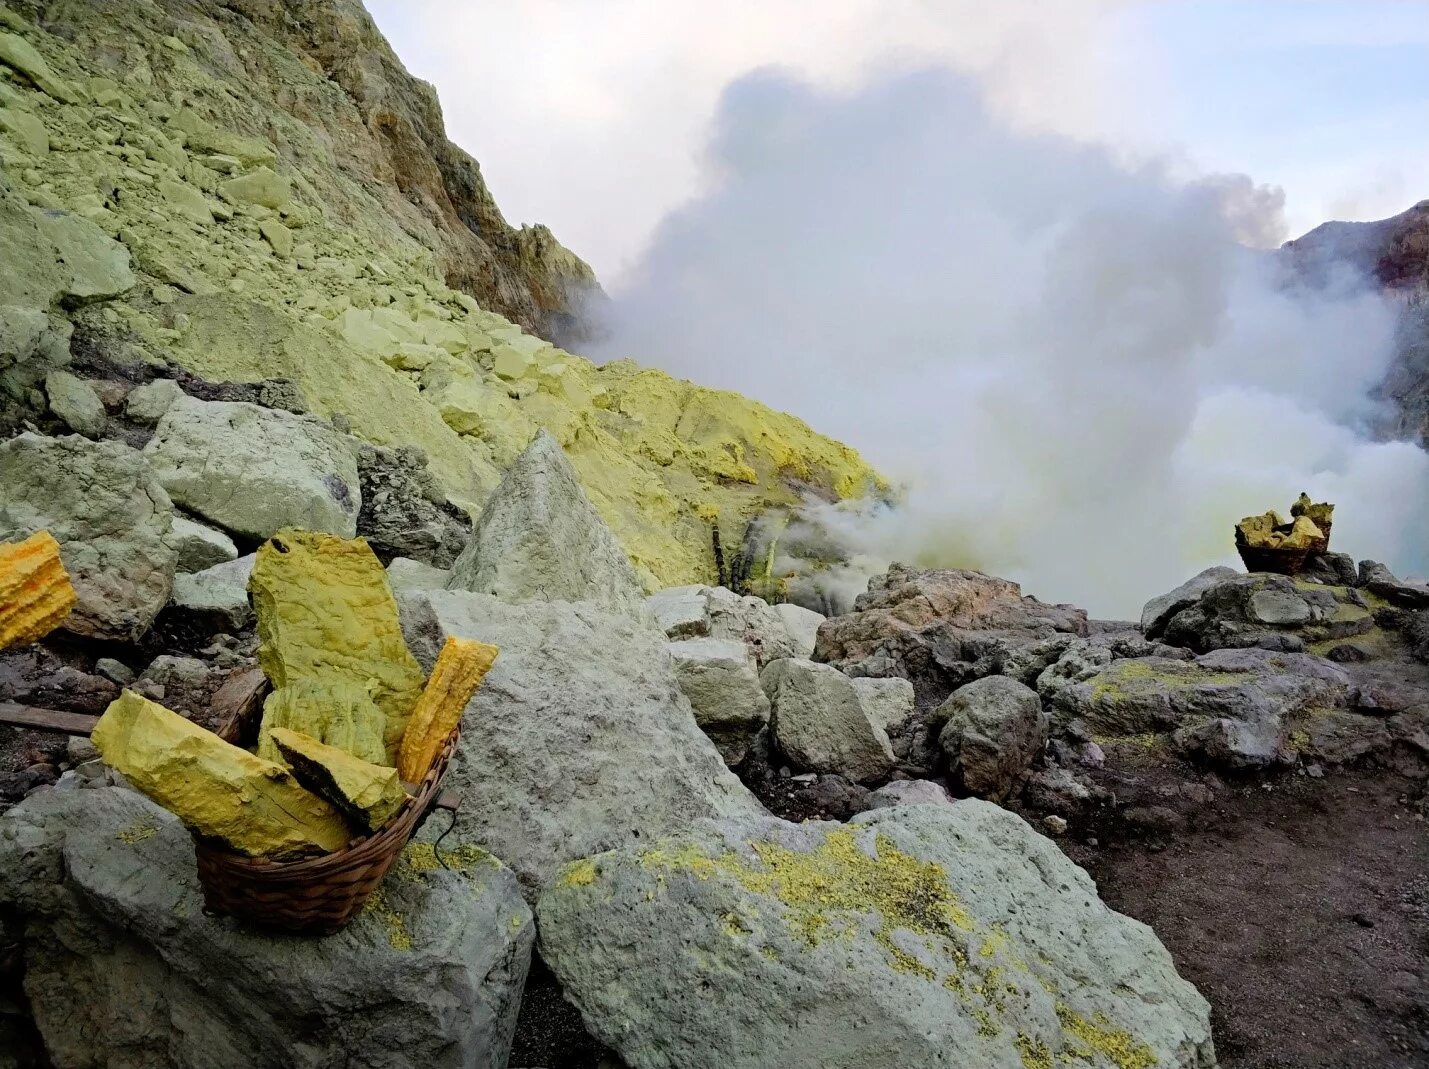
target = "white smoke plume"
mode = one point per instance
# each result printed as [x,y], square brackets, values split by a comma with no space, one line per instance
[1082,369]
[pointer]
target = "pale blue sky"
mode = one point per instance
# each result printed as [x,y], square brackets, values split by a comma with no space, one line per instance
[590,115]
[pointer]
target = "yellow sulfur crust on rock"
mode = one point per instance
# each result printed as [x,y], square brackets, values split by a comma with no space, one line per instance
[458,672]
[35,592]
[368,795]
[254,807]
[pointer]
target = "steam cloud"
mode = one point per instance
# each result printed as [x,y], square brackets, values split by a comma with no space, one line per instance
[1081,368]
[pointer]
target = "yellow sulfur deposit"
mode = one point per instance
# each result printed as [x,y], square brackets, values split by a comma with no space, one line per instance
[35,591]
[337,713]
[368,795]
[254,807]
[1271,532]
[458,672]
[1320,513]
[326,618]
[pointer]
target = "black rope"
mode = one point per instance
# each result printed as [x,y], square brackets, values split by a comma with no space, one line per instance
[437,846]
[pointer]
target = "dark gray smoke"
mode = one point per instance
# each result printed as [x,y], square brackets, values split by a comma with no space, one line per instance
[1081,369]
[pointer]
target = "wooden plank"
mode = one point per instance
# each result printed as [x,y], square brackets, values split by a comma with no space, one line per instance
[37,719]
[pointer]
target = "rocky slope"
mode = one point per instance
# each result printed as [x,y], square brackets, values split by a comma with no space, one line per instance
[283,204]
[1394,254]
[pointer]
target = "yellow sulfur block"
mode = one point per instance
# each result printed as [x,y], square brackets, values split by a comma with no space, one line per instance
[253,806]
[459,670]
[368,795]
[35,592]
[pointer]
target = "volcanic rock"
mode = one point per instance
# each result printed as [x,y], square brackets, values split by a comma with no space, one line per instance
[253,470]
[939,628]
[112,519]
[200,546]
[928,935]
[540,539]
[124,967]
[585,741]
[995,728]
[820,723]
[721,681]
[1159,610]
[405,512]
[1269,611]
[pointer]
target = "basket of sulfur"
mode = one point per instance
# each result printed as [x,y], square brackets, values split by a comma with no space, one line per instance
[1268,543]
[347,757]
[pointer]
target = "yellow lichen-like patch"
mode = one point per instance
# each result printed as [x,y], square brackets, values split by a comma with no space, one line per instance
[422,857]
[579,873]
[1033,1052]
[398,937]
[136,833]
[1098,1037]
[459,670]
[35,592]
[825,891]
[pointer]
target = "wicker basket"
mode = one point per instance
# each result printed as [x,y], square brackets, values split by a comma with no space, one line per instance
[1279,561]
[1321,544]
[318,895]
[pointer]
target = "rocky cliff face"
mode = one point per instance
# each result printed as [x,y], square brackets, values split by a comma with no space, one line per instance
[259,191]
[1394,253]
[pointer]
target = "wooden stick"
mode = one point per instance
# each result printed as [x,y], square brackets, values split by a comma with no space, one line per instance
[37,719]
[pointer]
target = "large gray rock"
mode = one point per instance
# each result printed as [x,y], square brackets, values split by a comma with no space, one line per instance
[254,470]
[940,629]
[718,612]
[540,539]
[123,968]
[920,935]
[97,265]
[995,728]
[1237,708]
[1269,611]
[579,739]
[1380,581]
[405,512]
[215,599]
[147,403]
[908,792]
[1159,610]
[802,625]
[887,701]
[102,503]
[200,546]
[721,681]
[76,404]
[820,723]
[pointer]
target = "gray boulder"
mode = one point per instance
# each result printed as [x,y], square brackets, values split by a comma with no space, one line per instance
[1159,610]
[721,681]
[1380,581]
[820,724]
[147,403]
[1268,611]
[406,574]
[405,512]
[253,470]
[908,792]
[920,935]
[75,403]
[102,503]
[939,629]
[123,967]
[200,546]
[718,612]
[802,625]
[995,728]
[580,739]
[1237,708]
[888,702]
[215,599]
[97,265]
[540,539]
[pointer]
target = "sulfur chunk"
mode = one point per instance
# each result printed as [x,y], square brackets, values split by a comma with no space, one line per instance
[459,670]
[326,616]
[368,795]
[252,806]
[334,712]
[35,591]
[1271,532]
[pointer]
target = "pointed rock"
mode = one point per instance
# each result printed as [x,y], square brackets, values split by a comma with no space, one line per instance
[540,539]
